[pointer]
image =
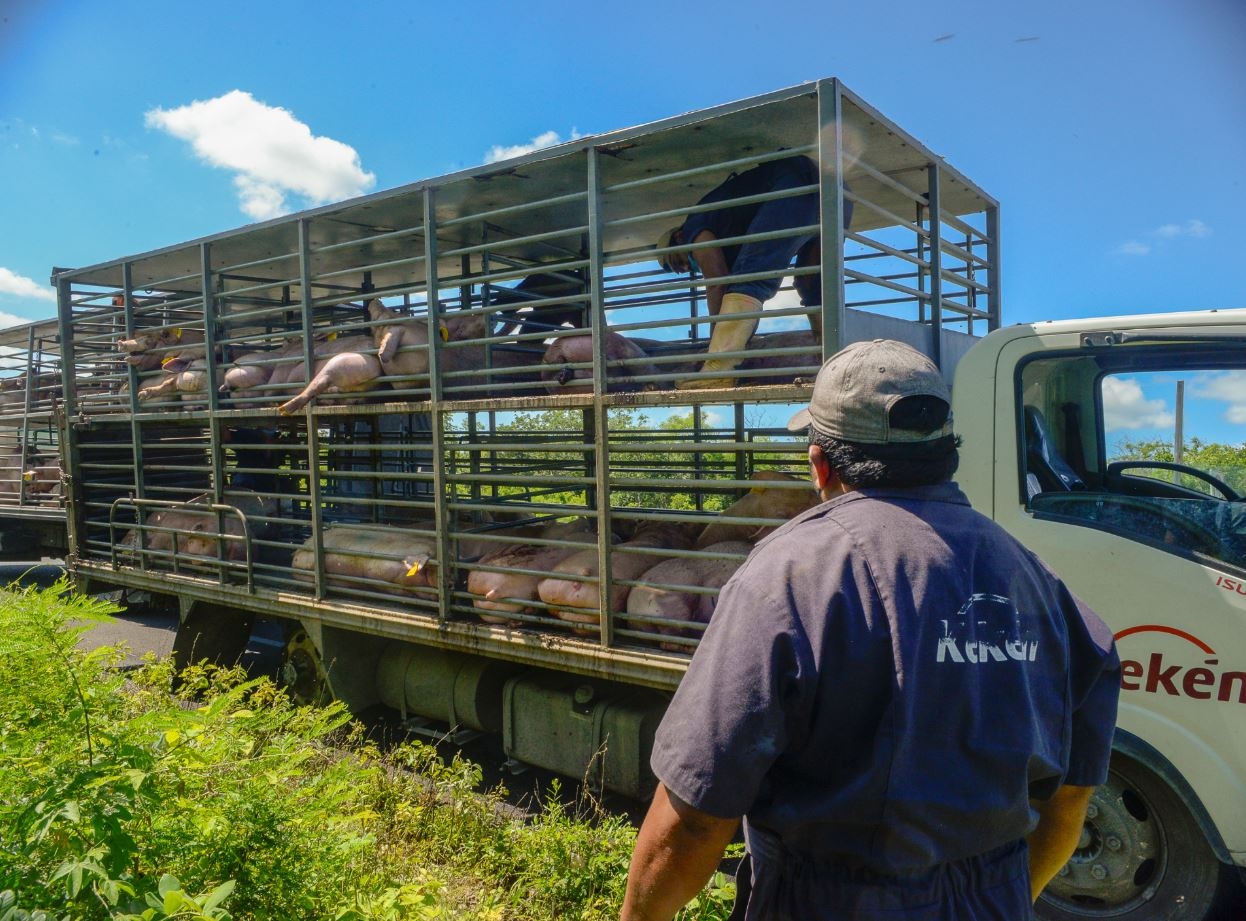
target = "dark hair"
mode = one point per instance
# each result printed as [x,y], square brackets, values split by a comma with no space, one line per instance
[902,464]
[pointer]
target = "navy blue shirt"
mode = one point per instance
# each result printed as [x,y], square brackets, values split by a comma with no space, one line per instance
[887,681]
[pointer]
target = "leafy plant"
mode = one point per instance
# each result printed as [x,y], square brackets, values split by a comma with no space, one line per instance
[120,801]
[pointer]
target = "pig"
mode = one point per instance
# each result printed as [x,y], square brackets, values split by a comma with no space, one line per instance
[565,596]
[394,560]
[402,347]
[577,349]
[761,501]
[185,530]
[185,378]
[794,365]
[517,587]
[353,369]
[149,348]
[800,360]
[42,476]
[252,370]
[667,593]
[401,341]
[12,464]
[44,389]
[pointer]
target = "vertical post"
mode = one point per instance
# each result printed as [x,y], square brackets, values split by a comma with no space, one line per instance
[314,486]
[216,453]
[994,304]
[74,528]
[442,514]
[935,228]
[1178,435]
[831,213]
[136,430]
[600,412]
[27,400]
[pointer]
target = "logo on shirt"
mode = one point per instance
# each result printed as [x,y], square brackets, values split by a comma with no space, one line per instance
[987,628]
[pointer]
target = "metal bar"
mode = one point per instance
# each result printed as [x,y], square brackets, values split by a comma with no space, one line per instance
[831,214]
[994,303]
[440,513]
[934,194]
[600,415]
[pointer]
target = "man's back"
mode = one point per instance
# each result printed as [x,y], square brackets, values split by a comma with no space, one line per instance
[923,660]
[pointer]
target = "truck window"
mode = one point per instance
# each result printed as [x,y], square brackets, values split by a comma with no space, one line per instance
[1156,455]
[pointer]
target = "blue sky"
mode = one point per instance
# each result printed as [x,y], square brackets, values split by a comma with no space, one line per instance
[1112,132]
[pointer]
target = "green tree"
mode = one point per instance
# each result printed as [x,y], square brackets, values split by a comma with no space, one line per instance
[1223,461]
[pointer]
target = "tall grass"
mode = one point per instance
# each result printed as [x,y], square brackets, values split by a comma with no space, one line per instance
[118,801]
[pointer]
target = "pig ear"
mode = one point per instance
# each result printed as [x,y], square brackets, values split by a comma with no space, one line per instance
[175,365]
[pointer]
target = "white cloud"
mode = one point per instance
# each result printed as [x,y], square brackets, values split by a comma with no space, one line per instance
[272,152]
[1227,386]
[20,286]
[1193,228]
[785,299]
[540,142]
[10,319]
[1125,406]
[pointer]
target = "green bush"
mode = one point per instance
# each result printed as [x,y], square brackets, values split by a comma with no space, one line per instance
[119,801]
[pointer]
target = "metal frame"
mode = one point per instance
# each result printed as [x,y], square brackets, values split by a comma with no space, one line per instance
[583,214]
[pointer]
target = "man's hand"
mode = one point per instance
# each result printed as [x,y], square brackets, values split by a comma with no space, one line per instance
[1053,840]
[677,850]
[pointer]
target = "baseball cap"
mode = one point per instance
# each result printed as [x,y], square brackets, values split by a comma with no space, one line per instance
[858,386]
[667,240]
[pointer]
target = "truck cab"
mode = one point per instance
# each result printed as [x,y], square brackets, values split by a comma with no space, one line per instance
[1116,451]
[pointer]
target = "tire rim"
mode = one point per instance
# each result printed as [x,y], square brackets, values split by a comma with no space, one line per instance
[1120,858]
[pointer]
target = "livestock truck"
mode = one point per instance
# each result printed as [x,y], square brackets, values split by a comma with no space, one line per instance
[32,517]
[496,513]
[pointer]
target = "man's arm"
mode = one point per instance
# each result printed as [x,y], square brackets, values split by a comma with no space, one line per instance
[1053,840]
[713,265]
[677,850]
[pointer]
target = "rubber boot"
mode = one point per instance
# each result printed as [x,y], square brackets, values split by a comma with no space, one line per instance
[728,336]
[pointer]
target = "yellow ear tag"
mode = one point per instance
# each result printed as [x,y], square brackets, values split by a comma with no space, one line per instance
[332,336]
[414,570]
[178,333]
[445,333]
[168,358]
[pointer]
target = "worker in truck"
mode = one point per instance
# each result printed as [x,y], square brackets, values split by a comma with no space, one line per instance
[770,255]
[908,708]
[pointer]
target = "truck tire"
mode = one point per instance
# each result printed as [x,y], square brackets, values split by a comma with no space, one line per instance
[1142,857]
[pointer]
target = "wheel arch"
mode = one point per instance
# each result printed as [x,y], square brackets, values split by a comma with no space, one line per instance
[1136,749]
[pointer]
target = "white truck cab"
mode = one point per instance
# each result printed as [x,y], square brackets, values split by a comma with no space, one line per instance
[1152,535]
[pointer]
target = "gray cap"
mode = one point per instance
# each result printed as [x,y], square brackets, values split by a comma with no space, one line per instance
[858,386]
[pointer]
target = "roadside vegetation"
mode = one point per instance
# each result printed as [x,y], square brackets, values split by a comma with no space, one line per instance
[119,800]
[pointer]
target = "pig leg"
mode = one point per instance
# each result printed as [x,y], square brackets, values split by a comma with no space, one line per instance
[343,373]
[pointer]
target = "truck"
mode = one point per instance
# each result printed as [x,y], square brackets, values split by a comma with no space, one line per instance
[32,517]
[436,432]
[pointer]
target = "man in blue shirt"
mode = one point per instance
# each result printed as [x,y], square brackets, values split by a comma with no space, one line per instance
[908,708]
[798,213]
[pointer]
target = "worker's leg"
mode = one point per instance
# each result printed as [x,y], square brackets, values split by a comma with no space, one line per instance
[775,255]
[728,336]
[809,287]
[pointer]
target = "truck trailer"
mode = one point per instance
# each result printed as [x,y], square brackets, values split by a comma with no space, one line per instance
[437,432]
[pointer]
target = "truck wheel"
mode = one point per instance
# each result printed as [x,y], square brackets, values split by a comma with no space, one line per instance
[1141,857]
